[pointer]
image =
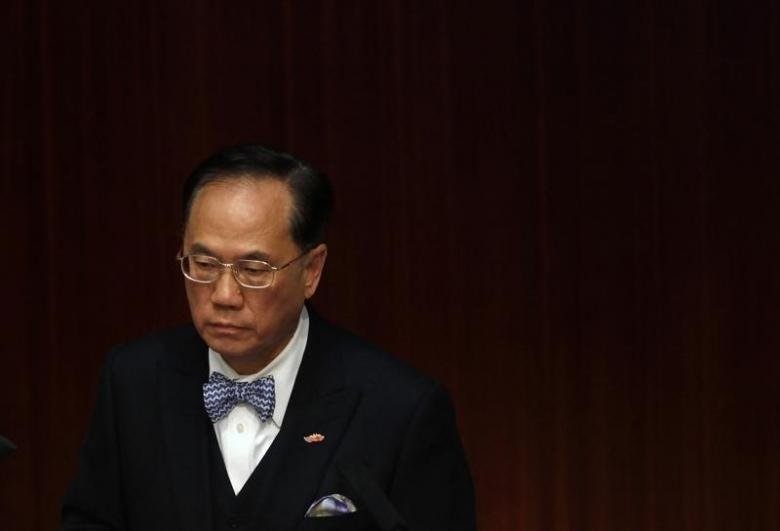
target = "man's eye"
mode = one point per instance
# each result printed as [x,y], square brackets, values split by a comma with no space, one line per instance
[205,264]
[253,269]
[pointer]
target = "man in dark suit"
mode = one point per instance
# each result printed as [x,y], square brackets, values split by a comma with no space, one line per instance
[262,415]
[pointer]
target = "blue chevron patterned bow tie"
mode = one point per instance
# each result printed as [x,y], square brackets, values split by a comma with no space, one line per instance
[221,395]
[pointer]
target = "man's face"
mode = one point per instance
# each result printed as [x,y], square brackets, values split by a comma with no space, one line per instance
[248,219]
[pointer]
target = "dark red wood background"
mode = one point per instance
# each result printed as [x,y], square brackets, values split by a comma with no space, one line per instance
[566,211]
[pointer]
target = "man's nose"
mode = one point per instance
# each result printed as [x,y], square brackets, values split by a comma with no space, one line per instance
[227,291]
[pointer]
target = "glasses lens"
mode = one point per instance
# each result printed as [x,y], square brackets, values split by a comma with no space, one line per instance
[200,268]
[254,273]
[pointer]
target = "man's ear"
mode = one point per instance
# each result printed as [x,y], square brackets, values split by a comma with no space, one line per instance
[312,271]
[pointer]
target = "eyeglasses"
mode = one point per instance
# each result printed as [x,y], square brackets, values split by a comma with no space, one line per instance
[254,274]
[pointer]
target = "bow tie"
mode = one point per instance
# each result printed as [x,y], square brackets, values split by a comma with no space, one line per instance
[221,395]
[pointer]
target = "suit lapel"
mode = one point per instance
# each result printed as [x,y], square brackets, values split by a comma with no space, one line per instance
[293,469]
[185,430]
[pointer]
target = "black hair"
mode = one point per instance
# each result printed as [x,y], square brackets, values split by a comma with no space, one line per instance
[311,189]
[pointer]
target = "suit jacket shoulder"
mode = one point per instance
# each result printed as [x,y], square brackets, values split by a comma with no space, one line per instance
[366,366]
[178,346]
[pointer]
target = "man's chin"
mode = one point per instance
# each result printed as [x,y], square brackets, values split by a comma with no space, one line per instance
[239,356]
[229,343]
[227,347]
[239,348]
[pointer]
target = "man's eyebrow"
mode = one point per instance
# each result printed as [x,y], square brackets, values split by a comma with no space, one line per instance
[256,255]
[199,248]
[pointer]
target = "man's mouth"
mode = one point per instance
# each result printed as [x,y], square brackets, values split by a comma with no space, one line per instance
[221,327]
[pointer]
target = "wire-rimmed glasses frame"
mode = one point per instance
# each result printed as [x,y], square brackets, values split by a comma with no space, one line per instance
[252,274]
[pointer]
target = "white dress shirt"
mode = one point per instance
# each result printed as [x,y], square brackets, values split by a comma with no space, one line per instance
[243,439]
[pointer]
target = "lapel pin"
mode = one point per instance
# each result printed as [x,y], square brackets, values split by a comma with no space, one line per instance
[314,438]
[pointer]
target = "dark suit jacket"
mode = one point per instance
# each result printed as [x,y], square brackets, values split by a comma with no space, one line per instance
[391,443]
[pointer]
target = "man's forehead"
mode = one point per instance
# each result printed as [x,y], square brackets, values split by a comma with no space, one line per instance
[240,219]
[267,187]
[266,201]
